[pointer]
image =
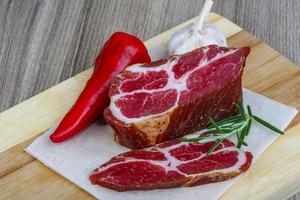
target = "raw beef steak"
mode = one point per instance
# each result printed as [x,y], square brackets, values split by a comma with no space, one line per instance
[172,164]
[169,98]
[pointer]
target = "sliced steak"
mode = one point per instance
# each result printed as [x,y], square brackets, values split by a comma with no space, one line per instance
[169,98]
[171,164]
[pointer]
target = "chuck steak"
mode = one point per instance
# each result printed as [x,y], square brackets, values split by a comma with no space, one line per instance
[169,98]
[172,164]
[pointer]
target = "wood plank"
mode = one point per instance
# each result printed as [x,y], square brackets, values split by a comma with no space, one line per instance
[242,39]
[36,181]
[39,113]
[15,158]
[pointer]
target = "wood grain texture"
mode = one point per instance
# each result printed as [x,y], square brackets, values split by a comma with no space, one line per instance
[270,69]
[45,42]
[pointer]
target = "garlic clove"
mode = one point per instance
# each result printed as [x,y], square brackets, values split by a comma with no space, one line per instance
[185,40]
[178,38]
[196,35]
[216,34]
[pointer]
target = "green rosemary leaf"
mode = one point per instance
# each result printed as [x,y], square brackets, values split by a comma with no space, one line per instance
[229,120]
[229,134]
[226,126]
[238,125]
[195,139]
[225,130]
[212,131]
[268,125]
[244,143]
[248,127]
[241,109]
[215,125]
[249,111]
[217,131]
[240,139]
[213,148]
[239,145]
[199,139]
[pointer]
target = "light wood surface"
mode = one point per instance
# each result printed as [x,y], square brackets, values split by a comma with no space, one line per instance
[275,77]
[44,56]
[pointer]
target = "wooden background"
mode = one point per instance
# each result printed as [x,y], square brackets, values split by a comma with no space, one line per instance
[45,42]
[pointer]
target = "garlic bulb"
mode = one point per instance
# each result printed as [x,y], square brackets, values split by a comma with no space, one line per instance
[196,35]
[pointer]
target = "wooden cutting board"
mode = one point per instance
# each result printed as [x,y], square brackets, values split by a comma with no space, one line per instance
[275,175]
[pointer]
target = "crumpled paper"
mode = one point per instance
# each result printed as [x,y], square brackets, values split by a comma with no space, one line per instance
[77,157]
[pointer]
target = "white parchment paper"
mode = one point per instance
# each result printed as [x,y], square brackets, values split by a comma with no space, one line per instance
[77,157]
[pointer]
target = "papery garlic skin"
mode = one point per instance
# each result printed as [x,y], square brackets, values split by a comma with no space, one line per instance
[196,35]
[185,39]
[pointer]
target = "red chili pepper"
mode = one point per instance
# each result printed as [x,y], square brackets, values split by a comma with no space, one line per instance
[119,51]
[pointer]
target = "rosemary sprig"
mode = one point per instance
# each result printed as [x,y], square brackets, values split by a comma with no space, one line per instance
[213,148]
[270,126]
[239,124]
